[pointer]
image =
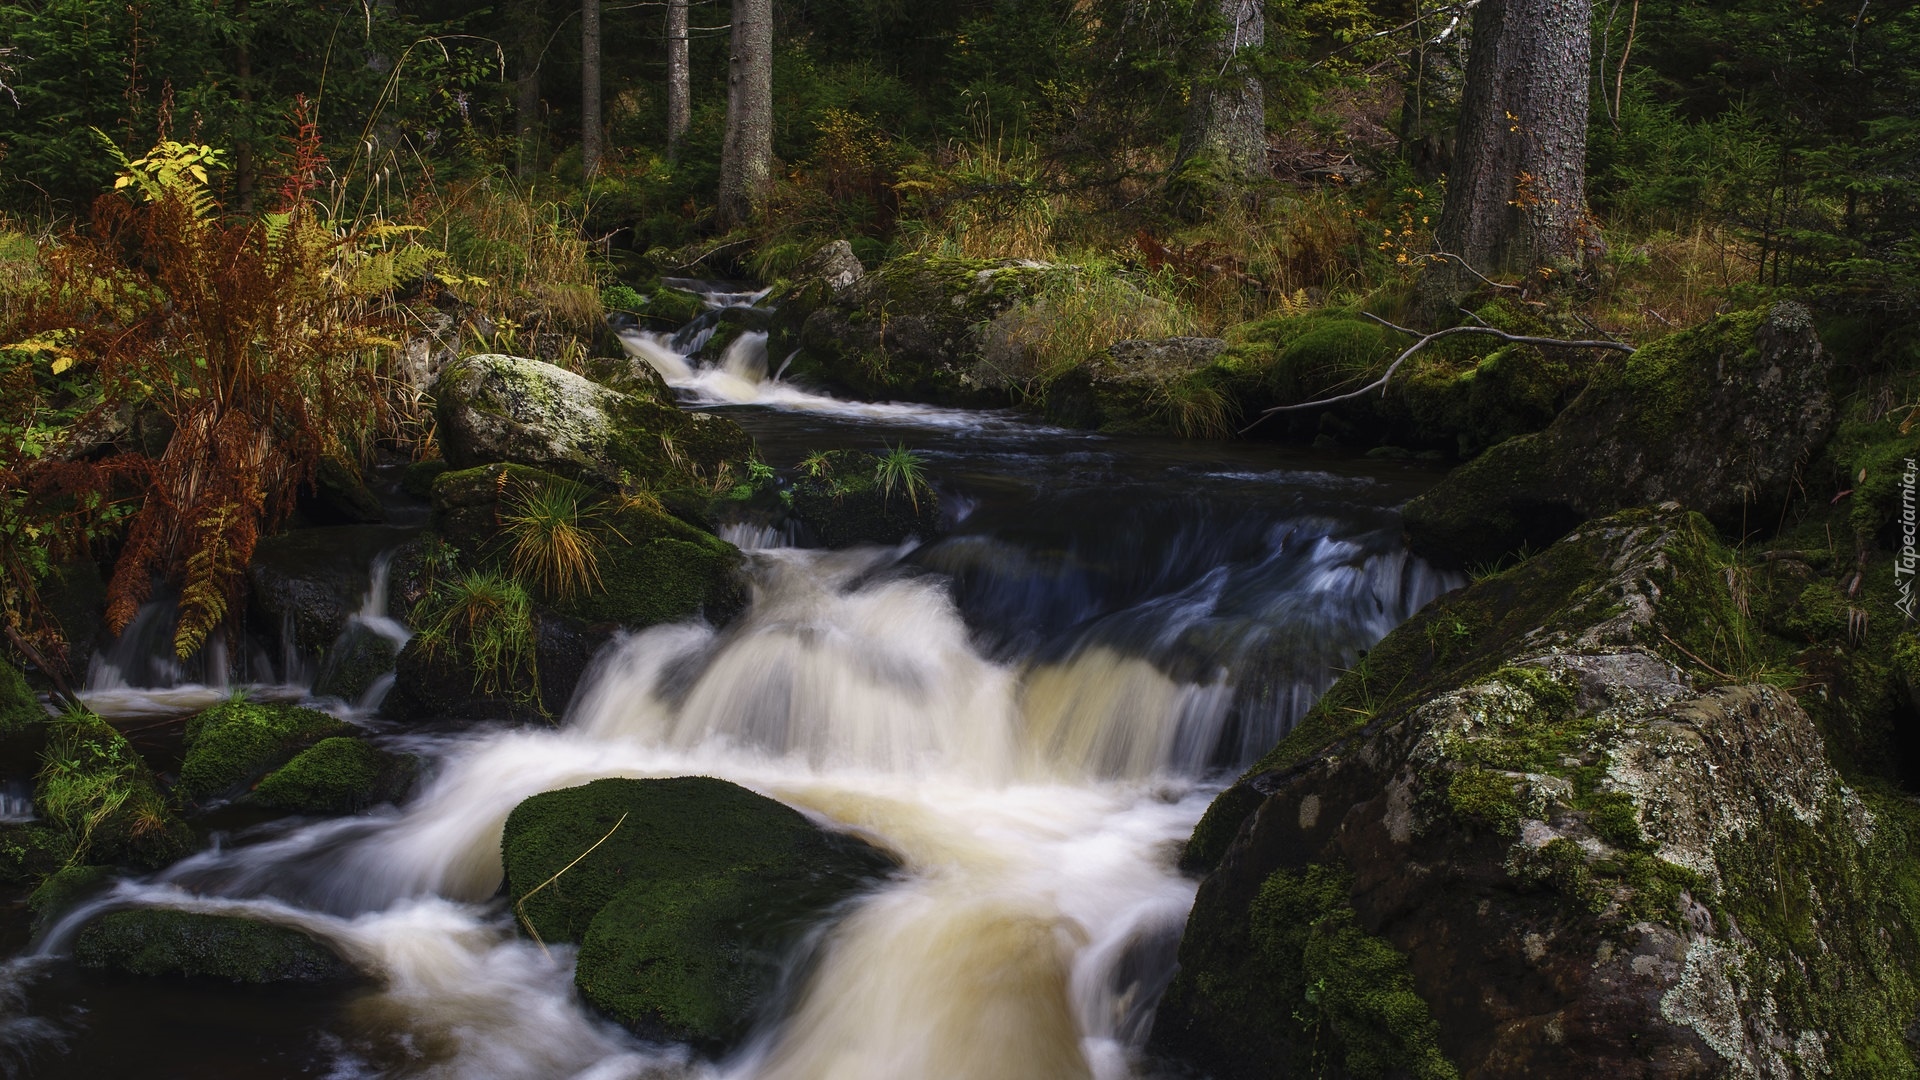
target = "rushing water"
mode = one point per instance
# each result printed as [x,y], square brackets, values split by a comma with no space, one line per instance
[1031,712]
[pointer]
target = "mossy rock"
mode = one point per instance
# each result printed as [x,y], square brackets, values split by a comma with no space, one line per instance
[418,478]
[31,850]
[232,745]
[1536,779]
[354,663]
[340,496]
[495,408]
[339,775]
[839,498]
[23,724]
[63,890]
[697,892]
[157,942]
[1717,418]
[96,789]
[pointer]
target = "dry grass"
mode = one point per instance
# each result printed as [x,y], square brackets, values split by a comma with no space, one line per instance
[1664,281]
[1077,316]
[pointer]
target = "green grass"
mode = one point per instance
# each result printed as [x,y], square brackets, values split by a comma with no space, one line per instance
[902,471]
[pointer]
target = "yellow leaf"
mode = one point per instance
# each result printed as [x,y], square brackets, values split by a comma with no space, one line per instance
[122,182]
[61,363]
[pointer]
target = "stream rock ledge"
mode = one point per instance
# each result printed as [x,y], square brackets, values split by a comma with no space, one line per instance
[1532,835]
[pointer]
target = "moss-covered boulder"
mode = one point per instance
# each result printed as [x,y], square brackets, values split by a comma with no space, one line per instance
[31,850]
[844,497]
[355,661]
[339,775]
[158,942]
[914,329]
[1716,418]
[1557,782]
[433,683]
[697,891]
[64,889]
[23,724]
[231,745]
[496,408]
[100,794]
[1141,386]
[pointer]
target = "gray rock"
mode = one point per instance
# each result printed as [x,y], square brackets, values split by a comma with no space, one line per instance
[834,265]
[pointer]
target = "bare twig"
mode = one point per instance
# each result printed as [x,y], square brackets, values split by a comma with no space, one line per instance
[1380,383]
[1468,267]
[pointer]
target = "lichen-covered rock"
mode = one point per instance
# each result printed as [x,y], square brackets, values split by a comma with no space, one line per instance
[161,942]
[696,893]
[840,498]
[495,408]
[1130,386]
[1716,418]
[914,329]
[834,266]
[234,744]
[339,775]
[1532,834]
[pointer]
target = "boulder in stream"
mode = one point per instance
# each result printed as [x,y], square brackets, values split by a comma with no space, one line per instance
[1716,418]
[101,799]
[337,775]
[497,408]
[1535,833]
[1130,387]
[697,893]
[232,745]
[163,942]
[842,497]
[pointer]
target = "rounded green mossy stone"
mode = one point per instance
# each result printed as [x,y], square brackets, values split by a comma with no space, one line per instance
[231,745]
[162,942]
[339,775]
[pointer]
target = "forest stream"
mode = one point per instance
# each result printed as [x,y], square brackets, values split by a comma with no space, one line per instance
[1030,713]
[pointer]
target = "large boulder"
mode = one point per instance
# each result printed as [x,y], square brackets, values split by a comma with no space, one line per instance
[1535,832]
[915,329]
[496,408]
[161,942]
[1133,386]
[686,896]
[1716,418]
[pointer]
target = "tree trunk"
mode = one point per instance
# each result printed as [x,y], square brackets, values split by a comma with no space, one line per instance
[528,24]
[590,86]
[746,157]
[1226,129]
[1516,199]
[679,79]
[245,172]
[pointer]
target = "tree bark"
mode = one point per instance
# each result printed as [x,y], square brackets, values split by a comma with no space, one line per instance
[746,157]
[679,79]
[590,133]
[1516,199]
[1226,129]
[529,43]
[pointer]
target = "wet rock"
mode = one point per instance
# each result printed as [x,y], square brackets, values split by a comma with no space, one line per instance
[697,892]
[496,408]
[157,942]
[97,792]
[231,746]
[354,663]
[914,329]
[64,889]
[340,497]
[1128,387]
[23,724]
[418,478]
[304,586]
[338,775]
[75,594]
[1647,870]
[439,683]
[1715,418]
[841,499]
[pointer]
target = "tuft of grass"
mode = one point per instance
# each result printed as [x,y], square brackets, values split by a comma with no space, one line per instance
[554,542]
[1079,314]
[488,616]
[1194,408]
[902,471]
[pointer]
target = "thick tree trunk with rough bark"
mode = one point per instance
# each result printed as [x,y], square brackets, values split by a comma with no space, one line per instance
[528,45]
[590,86]
[1226,130]
[746,157]
[1516,198]
[679,79]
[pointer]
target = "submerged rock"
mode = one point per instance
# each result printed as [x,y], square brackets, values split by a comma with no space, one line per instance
[338,775]
[1532,835]
[696,894]
[843,498]
[234,744]
[163,942]
[495,408]
[1715,418]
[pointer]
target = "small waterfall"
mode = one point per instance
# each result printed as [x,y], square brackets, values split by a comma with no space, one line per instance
[16,802]
[359,664]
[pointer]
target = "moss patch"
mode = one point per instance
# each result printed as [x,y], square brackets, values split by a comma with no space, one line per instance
[159,942]
[95,789]
[232,745]
[337,776]
[837,495]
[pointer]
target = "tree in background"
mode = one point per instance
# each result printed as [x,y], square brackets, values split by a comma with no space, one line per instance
[746,156]
[529,41]
[1225,140]
[679,79]
[590,131]
[1516,198]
